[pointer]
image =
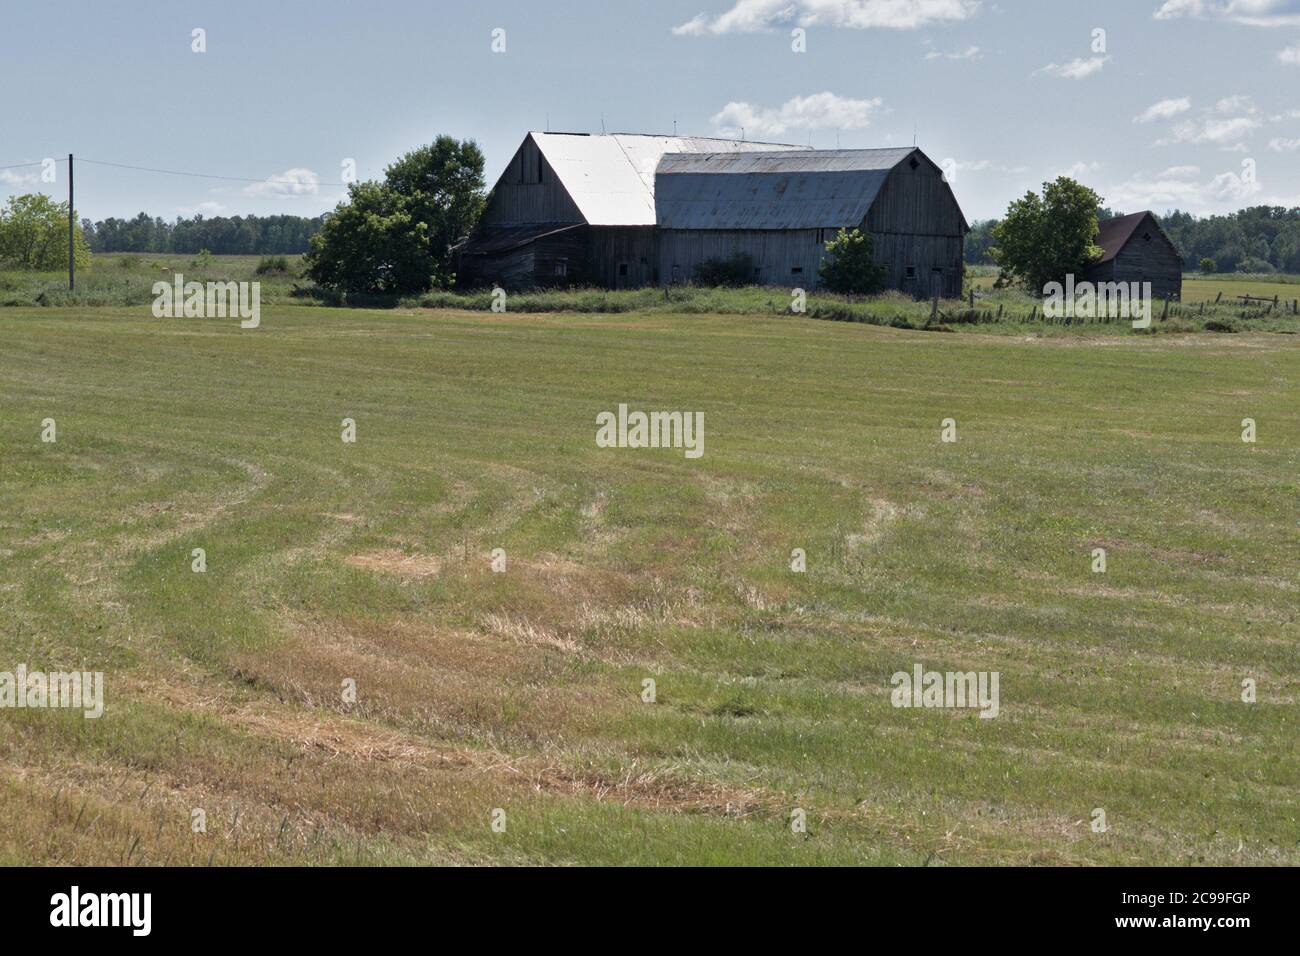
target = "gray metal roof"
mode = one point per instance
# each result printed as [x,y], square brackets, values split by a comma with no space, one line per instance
[794,189]
[611,177]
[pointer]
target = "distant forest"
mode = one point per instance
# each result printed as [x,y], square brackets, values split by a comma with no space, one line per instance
[1261,239]
[219,235]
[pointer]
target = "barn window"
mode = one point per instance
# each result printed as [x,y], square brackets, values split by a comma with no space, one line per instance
[821,236]
[911,272]
[622,268]
[1146,236]
[561,267]
[796,270]
[913,164]
[644,261]
[539,167]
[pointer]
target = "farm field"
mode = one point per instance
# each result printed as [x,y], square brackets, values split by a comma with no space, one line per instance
[522,691]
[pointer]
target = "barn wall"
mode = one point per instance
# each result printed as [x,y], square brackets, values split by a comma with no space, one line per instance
[921,266]
[518,197]
[1153,260]
[778,253]
[919,231]
[560,260]
[623,257]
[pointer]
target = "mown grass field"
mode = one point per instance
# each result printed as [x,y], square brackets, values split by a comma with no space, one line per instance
[522,690]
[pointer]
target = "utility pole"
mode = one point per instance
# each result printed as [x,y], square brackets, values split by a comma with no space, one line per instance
[72,260]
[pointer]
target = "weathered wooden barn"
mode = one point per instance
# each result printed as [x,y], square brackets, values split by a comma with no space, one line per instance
[780,208]
[577,209]
[1135,249]
[625,210]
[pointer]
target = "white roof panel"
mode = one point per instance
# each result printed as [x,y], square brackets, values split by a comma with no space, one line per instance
[611,176]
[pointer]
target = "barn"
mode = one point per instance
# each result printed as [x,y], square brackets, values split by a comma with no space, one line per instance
[780,208]
[1135,249]
[577,209]
[627,210]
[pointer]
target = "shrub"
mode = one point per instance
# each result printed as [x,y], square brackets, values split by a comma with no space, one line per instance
[850,268]
[1255,266]
[736,271]
[272,264]
[1208,266]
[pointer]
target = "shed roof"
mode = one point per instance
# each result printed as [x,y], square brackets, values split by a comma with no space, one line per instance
[611,177]
[772,190]
[1114,234]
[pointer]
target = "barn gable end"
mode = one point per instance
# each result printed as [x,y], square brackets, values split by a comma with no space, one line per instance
[1135,249]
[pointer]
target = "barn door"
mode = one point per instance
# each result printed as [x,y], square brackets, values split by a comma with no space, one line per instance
[936,283]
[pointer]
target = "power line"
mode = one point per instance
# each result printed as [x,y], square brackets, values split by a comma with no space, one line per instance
[37,163]
[177,172]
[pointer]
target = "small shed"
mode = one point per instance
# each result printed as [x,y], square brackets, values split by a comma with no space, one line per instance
[1135,249]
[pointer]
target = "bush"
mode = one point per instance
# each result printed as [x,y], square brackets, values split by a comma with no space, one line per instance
[733,272]
[1208,266]
[1255,266]
[850,268]
[272,264]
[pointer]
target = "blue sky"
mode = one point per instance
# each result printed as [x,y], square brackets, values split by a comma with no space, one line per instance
[1190,103]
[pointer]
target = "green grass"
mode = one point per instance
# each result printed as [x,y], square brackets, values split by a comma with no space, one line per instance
[126,279]
[521,691]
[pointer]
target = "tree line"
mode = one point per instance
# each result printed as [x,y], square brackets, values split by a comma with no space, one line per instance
[219,235]
[1261,239]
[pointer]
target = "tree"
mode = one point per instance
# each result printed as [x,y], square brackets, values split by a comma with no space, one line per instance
[1208,265]
[850,267]
[372,244]
[396,235]
[1044,239]
[34,234]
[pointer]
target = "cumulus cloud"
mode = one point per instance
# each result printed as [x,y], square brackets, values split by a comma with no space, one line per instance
[748,16]
[1179,187]
[1079,169]
[1255,13]
[970,53]
[1280,145]
[1077,69]
[1165,109]
[1229,120]
[9,177]
[290,185]
[819,111]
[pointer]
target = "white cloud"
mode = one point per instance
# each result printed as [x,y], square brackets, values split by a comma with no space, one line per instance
[1232,118]
[292,184]
[1079,169]
[1212,130]
[1280,145]
[1255,13]
[970,53]
[1290,55]
[748,16]
[820,111]
[18,179]
[1165,109]
[1178,187]
[1077,69]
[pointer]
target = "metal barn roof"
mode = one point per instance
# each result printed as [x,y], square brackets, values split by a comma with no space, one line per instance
[1114,234]
[795,189]
[611,177]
